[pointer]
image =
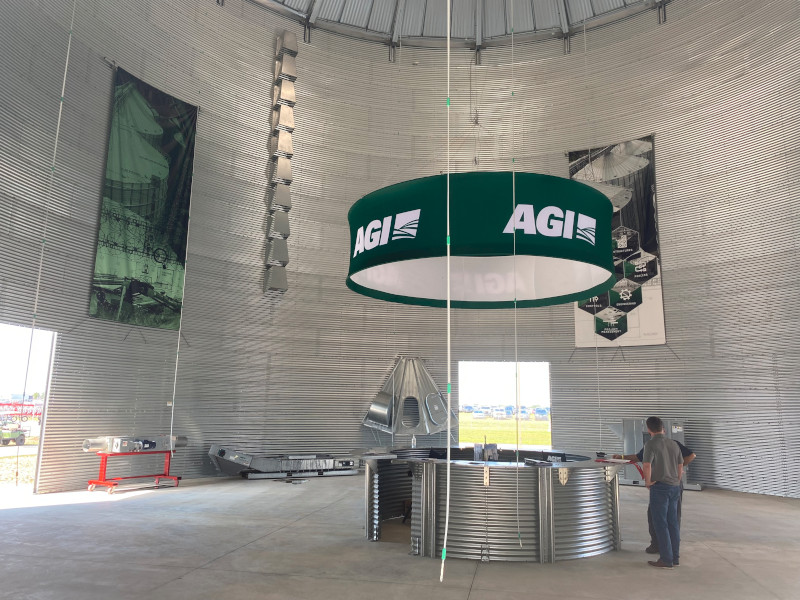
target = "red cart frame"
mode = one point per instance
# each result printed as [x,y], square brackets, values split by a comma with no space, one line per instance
[113,482]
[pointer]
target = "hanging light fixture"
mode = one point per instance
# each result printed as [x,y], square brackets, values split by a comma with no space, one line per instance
[563,241]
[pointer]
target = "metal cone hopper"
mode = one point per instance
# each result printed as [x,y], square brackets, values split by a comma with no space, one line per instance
[409,402]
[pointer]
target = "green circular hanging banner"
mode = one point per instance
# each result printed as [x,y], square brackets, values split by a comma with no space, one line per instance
[553,247]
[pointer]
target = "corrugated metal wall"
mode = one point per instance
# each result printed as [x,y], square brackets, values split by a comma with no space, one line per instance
[717,85]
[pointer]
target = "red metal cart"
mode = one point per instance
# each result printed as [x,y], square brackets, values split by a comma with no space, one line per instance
[113,482]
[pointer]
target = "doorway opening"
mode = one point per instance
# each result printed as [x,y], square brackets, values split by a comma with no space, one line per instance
[25,366]
[487,399]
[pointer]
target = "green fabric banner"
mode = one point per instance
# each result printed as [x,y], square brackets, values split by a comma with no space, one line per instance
[144,219]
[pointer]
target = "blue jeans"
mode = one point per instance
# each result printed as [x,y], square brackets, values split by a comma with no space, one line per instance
[653,538]
[664,510]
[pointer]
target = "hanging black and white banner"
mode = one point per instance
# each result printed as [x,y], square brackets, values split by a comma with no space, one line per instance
[632,312]
[144,219]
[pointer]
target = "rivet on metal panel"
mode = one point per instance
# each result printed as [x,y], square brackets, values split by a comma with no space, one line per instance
[563,475]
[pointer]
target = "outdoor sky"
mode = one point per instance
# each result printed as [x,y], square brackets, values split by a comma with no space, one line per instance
[14,344]
[494,384]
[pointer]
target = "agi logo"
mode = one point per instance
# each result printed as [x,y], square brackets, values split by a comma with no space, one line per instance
[378,233]
[553,222]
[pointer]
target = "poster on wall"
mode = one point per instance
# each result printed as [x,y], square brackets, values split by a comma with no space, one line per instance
[144,216]
[632,312]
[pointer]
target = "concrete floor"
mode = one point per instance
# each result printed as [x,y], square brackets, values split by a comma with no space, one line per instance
[245,540]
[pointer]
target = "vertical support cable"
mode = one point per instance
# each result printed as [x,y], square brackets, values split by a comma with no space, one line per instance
[48,197]
[514,259]
[591,143]
[180,321]
[449,387]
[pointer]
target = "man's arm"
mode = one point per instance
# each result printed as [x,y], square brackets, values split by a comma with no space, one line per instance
[637,457]
[626,457]
[646,468]
[680,470]
[687,454]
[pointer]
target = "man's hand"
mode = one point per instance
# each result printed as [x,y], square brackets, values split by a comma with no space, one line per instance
[630,457]
[647,470]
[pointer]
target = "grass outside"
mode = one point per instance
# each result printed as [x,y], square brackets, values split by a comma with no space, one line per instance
[8,468]
[27,464]
[503,431]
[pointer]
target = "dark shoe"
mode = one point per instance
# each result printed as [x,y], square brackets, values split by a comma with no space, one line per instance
[651,549]
[676,562]
[659,564]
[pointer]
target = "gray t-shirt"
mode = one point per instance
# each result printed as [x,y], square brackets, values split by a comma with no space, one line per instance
[664,456]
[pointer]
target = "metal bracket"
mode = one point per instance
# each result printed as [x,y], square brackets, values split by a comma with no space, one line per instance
[563,475]
[611,472]
[485,553]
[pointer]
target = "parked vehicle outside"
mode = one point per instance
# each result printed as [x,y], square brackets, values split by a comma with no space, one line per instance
[11,431]
[21,411]
[498,412]
[541,414]
[478,414]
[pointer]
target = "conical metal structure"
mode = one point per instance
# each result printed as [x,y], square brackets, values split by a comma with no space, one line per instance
[409,402]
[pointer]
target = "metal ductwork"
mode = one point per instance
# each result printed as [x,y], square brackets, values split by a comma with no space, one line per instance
[409,402]
[283,119]
[282,172]
[281,198]
[634,435]
[283,94]
[280,145]
[280,466]
[124,444]
[277,253]
[286,45]
[286,68]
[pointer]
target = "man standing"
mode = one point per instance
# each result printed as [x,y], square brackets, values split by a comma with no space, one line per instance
[688,456]
[663,469]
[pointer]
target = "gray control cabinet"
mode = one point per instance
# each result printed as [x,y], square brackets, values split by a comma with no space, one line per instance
[635,436]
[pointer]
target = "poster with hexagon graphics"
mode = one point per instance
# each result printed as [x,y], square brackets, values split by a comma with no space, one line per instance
[632,312]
